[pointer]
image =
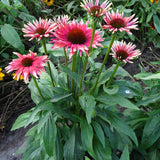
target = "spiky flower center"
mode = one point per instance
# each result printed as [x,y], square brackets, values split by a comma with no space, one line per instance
[96,9]
[121,55]
[117,23]
[40,31]
[76,36]
[27,62]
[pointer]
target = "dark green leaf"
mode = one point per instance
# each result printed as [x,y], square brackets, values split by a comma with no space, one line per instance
[73,75]
[87,136]
[153,98]
[151,130]
[99,150]
[73,148]
[49,136]
[87,103]
[125,154]
[111,91]
[21,121]
[69,147]
[61,96]
[156,21]
[99,132]
[111,100]
[121,126]
[59,146]
[12,37]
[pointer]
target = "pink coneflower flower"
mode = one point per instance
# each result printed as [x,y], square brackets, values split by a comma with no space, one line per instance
[96,10]
[39,29]
[26,65]
[124,52]
[61,20]
[75,36]
[116,22]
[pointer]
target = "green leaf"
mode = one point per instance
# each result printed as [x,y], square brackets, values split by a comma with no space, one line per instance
[111,100]
[49,136]
[111,91]
[88,104]
[21,121]
[73,75]
[69,147]
[108,150]
[125,154]
[153,155]
[33,115]
[156,21]
[151,130]
[99,150]
[27,16]
[60,96]
[129,89]
[59,146]
[149,99]
[54,72]
[43,120]
[106,75]
[70,5]
[73,147]
[99,132]
[121,126]
[151,76]
[87,136]
[149,16]
[12,37]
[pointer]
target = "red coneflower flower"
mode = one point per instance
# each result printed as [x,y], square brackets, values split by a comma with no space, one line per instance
[39,29]
[61,20]
[75,36]
[124,52]
[152,26]
[26,65]
[116,22]
[96,10]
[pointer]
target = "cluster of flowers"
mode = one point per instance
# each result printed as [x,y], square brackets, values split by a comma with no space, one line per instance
[74,36]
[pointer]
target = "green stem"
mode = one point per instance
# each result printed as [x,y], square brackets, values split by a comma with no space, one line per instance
[111,77]
[104,61]
[86,59]
[49,68]
[34,79]
[66,63]
[124,6]
[73,70]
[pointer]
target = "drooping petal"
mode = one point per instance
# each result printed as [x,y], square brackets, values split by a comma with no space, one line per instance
[124,52]
[28,64]
[96,10]
[75,36]
[39,29]
[116,22]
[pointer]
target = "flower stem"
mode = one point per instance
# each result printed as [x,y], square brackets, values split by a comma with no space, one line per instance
[104,61]
[111,77]
[73,70]
[34,79]
[49,68]
[86,59]
[66,63]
